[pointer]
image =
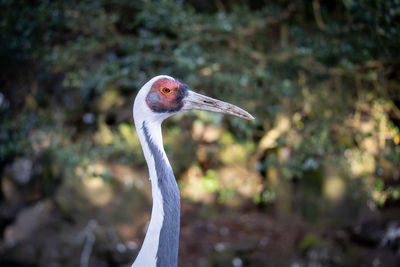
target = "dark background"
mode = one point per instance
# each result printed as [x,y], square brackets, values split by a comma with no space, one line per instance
[313,181]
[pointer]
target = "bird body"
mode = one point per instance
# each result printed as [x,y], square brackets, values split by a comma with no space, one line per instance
[158,99]
[148,127]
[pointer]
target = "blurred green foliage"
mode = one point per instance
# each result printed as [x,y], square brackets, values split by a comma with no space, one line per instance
[322,79]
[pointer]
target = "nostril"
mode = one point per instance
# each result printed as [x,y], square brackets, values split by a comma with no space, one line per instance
[207,102]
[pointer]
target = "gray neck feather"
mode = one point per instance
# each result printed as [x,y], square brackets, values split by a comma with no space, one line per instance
[167,254]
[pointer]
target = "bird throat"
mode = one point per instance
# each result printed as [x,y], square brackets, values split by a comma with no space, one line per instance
[167,252]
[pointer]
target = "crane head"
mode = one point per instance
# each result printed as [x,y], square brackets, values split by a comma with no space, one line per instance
[164,96]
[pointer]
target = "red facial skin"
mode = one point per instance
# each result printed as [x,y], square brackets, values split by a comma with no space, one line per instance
[166,95]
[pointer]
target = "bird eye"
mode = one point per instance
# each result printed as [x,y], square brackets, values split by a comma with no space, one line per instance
[165,90]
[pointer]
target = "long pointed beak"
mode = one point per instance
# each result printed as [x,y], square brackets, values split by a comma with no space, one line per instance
[201,102]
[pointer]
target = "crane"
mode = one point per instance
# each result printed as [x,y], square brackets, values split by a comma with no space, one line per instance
[159,98]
